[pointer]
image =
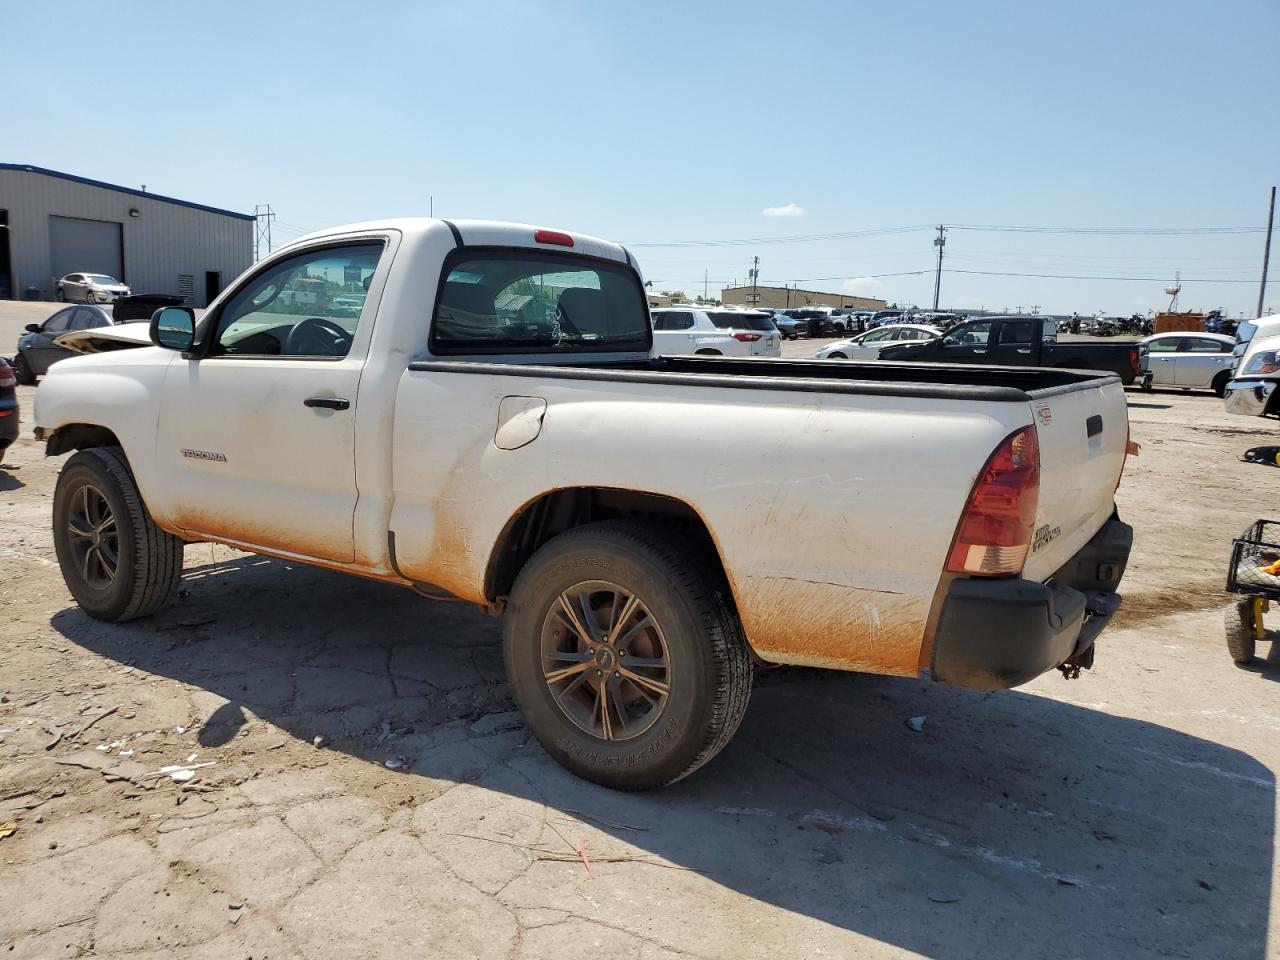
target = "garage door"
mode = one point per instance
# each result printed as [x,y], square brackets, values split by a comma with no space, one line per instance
[85,246]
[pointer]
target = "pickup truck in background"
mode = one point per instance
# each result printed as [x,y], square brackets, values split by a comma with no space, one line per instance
[1255,374]
[1018,342]
[491,427]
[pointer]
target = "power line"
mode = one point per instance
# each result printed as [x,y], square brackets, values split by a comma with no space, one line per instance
[805,238]
[1107,231]
[976,227]
[1063,276]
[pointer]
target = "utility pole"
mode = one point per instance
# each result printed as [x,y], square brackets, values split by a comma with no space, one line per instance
[704,283]
[939,241]
[755,280]
[262,215]
[431,205]
[1266,252]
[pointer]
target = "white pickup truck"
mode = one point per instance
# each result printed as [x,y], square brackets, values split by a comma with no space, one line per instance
[489,424]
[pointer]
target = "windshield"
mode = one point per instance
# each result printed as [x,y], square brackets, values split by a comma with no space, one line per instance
[509,301]
[1245,332]
[101,279]
[726,320]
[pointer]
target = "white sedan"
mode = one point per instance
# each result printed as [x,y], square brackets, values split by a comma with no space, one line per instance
[1192,361]
[866,346]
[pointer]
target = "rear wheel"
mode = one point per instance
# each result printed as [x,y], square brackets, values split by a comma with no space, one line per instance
[624,654]
[708,353]
[62,295]
[1220,383]
[116,562]
[1241,640]
[22,371]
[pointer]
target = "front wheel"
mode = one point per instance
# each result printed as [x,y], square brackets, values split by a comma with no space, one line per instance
[836,356]
[624,653]
[116,562]
[22,371]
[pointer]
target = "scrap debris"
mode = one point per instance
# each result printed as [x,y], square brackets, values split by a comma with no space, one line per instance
[586,861]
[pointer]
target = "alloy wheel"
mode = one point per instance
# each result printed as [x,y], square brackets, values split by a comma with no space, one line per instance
[605,660]
[95,539]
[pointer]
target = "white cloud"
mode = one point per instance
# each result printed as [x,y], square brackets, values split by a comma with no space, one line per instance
[786,210]
[862,285]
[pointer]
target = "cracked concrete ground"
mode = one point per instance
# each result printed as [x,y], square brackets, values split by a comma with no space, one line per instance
[1129,813]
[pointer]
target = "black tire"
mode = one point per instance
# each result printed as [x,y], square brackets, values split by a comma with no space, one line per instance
[148,561]
[61,295]
[22,371]
[708,353]
[1239,624]
[836,356]
[1220,383]
[679,588]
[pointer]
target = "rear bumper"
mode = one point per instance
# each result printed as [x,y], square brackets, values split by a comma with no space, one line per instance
[995,634]
[1251,396]
[8,424]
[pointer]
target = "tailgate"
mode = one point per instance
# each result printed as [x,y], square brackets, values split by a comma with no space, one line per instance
[1083,433]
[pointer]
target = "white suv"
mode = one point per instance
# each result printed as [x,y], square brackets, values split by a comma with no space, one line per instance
[714,331]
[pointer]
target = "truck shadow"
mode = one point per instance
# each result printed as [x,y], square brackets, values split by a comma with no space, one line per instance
[1060,829]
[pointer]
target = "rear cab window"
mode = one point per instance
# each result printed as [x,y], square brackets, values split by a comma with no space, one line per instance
[504,300]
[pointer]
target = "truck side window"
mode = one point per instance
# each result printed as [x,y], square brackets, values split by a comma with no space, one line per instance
[306,306]
[1016,331]
[971,334]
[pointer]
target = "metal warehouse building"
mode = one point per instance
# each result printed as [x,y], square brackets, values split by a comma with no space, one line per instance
[52,224]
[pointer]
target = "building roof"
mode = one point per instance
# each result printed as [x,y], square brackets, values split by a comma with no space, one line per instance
[28,168]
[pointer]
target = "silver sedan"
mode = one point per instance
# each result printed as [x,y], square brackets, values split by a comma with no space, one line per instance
[91,288]
[1192,361]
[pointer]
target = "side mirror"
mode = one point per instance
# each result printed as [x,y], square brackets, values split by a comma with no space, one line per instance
[33,328]
[173,328]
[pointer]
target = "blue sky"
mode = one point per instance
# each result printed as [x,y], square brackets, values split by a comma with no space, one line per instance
[656,122]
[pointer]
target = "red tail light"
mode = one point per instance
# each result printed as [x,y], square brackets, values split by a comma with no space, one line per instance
[7,378]
[747,337]
[553,236]
[999,520]
[1135,362]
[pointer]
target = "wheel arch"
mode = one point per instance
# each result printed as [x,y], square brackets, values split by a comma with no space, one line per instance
[79,436]
[557,511]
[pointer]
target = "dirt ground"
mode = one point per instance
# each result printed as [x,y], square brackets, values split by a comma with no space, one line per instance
[363,788]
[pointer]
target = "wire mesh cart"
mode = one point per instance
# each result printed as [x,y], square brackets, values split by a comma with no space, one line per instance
[1254,576]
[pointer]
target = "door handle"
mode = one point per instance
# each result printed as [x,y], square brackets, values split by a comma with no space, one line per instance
[1027,350]
[979,351]
[327,403]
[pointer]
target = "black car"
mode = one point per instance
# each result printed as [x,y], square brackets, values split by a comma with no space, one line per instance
[811,322]
[37,350]
[8,406]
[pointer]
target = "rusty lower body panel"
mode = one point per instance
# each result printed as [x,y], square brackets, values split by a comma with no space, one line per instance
[831,625]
